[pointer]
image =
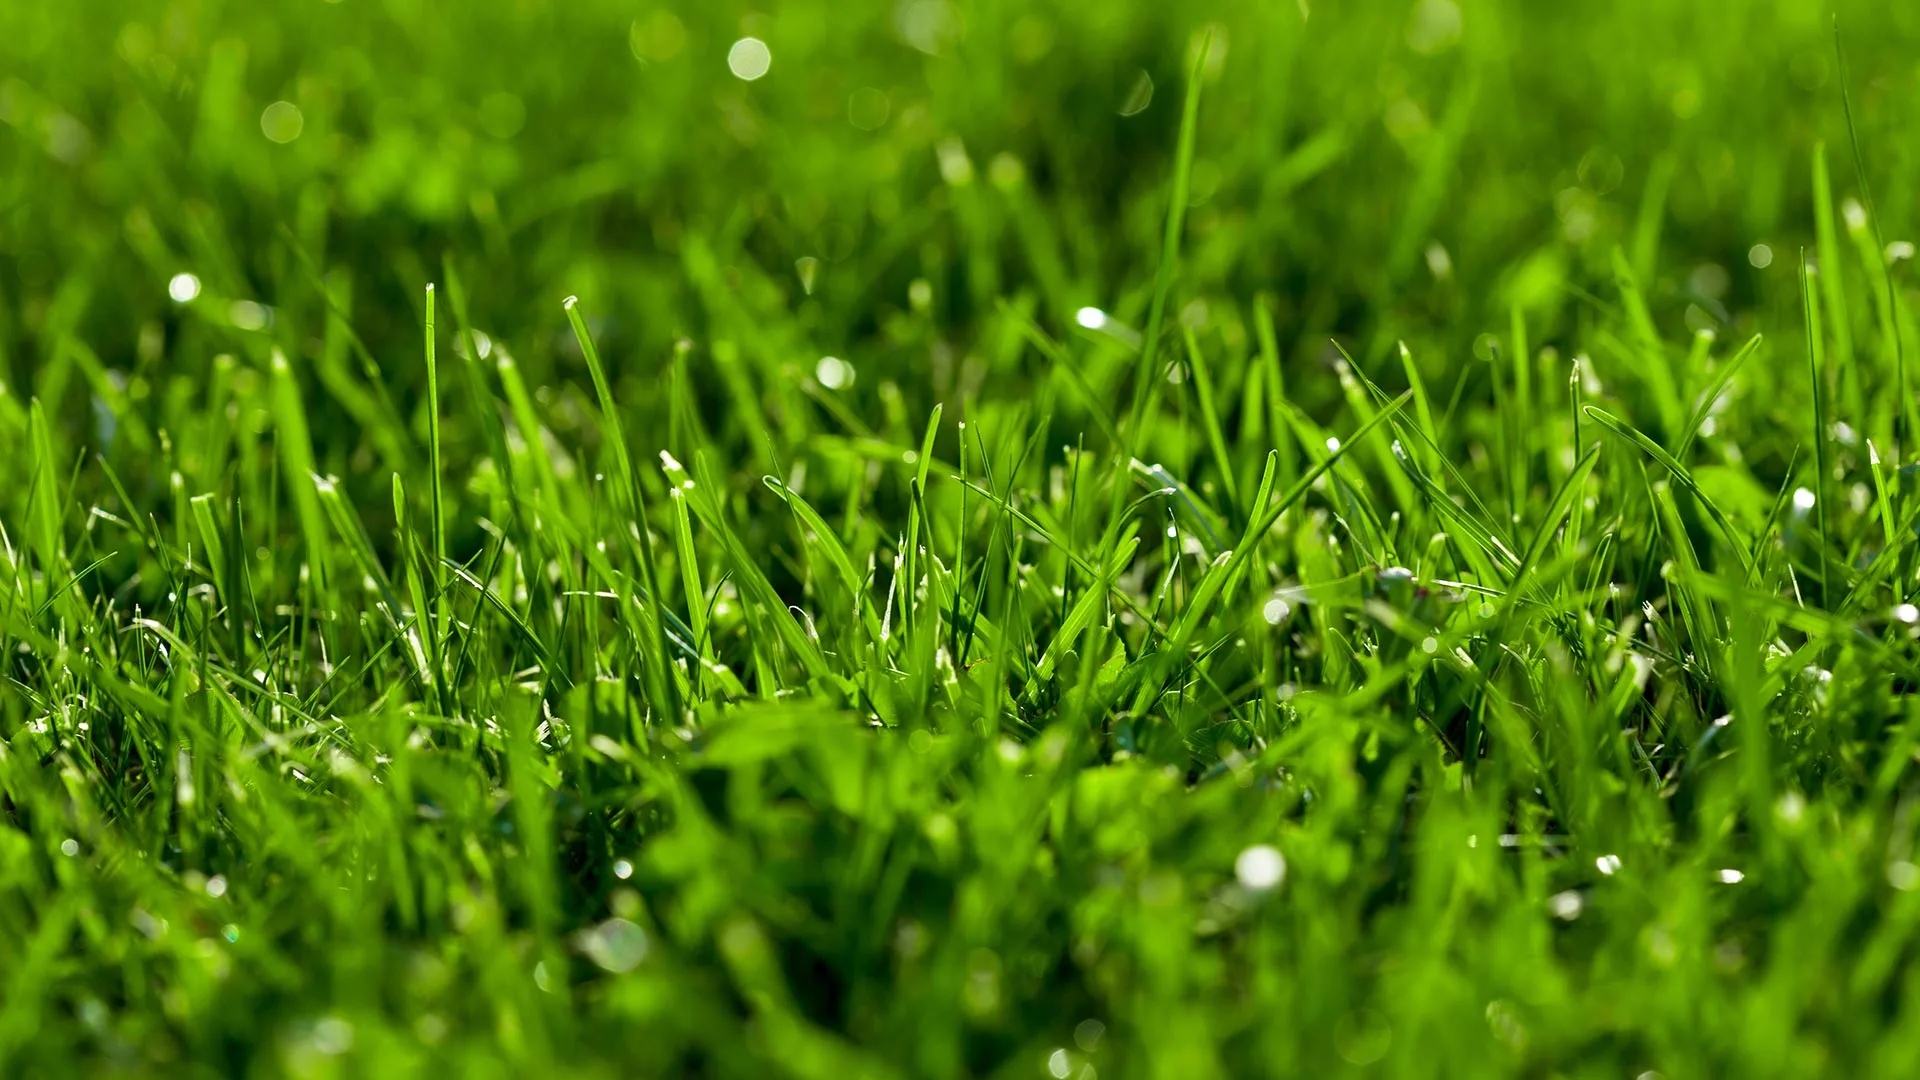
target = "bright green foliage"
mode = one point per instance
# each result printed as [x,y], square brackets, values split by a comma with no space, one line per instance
[1027,539]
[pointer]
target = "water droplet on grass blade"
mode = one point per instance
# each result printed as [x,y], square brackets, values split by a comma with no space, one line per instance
[1099,322]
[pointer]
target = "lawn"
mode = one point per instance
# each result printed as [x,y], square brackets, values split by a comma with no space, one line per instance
[959,538]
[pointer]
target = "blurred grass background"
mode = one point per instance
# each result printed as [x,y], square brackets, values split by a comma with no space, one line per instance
[606,150]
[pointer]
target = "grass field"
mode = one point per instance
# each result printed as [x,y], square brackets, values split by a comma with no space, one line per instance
[959,538]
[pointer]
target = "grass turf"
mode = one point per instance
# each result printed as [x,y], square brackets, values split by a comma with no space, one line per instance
[1023,540]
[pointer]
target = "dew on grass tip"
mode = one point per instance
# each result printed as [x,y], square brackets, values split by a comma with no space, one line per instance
[183,287]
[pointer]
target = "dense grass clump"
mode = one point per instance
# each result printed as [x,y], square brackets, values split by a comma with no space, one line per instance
[958,538]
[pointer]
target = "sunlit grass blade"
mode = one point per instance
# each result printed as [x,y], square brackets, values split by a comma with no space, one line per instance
[661,688]
[1680,473]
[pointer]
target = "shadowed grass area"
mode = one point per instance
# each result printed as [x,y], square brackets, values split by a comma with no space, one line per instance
[958,538]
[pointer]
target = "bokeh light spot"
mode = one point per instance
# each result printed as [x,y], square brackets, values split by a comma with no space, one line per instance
[749,58]
[1260,867]
[281,122]
[868,109]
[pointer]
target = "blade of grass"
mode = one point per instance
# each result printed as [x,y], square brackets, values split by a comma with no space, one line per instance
[662,691]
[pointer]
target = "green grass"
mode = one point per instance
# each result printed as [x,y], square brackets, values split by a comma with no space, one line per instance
[1035,539]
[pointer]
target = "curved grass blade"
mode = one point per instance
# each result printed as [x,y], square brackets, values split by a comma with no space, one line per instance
[1679,472]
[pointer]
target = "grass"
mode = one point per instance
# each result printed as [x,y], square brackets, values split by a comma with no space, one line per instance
[1029,540]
